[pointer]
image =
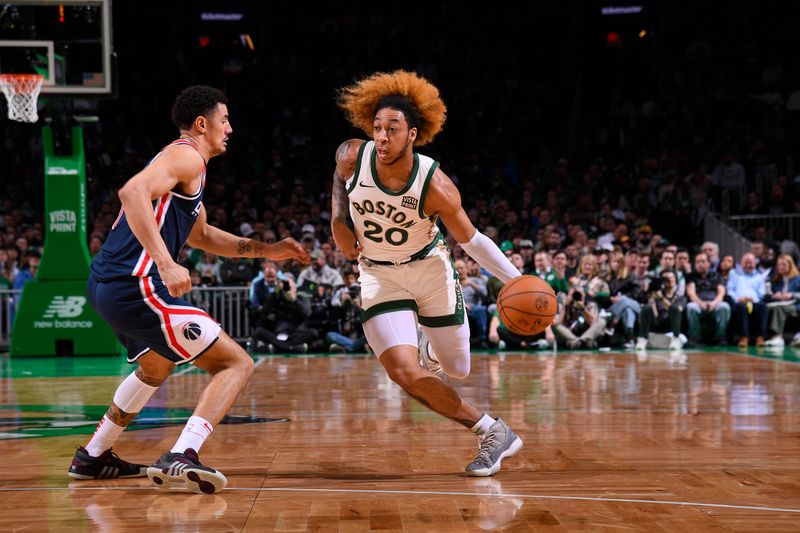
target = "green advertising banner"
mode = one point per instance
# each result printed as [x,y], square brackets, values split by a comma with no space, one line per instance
[53,316]
[66,253]
[56,318]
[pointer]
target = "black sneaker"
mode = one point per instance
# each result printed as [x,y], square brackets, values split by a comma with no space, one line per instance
[107,466]
[184,470]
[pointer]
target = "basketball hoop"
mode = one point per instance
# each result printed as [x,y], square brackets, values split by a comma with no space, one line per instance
[22,92]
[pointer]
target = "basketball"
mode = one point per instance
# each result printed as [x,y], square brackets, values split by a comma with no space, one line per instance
[527,305]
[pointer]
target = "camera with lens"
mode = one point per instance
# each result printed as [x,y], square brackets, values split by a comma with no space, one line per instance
[354,290]
[656,285]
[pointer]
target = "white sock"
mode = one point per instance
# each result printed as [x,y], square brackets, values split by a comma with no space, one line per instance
[483,425]
[195,432]
[104,437]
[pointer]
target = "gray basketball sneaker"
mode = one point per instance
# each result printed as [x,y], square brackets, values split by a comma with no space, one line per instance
[427,359]
[498,443]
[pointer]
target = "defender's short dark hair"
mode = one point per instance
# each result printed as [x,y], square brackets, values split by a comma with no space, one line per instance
[193,102]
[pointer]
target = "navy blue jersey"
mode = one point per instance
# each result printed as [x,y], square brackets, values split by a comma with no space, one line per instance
[122,255]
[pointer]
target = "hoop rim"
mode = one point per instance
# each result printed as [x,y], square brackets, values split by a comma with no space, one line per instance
[19,81]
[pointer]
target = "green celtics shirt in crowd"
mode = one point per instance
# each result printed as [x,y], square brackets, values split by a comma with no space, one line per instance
[558,285]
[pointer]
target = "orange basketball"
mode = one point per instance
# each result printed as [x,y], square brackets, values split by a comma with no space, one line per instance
[527,305]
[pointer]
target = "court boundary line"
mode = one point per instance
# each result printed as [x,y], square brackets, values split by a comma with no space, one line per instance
[426,493]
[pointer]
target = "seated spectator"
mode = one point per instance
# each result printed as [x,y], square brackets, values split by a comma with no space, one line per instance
[558,279]
[683,263]
[624,299]
[346,305]
[784,301]
[28,271]
[706,294]
[236,272]
[526,250]
[5,274]
[318,273]
[95,243]
[579,321]
[279,317]
[663,311]
[726,269]
[747,289]
[493,285]
[642,273]
[505,339]
[764,255]
[541,264]
[198,298]
[666,261]
[631,260]
[209,268]
[711,249]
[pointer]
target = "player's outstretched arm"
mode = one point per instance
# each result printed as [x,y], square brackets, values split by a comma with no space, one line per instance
[343,235]
[219,242]
[445,200]
[179,165]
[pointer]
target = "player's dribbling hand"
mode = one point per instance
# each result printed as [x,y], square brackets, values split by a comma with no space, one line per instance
[289,248]
[176,278]
[348,245]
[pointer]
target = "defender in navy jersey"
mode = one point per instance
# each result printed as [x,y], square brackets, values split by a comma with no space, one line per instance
[136,285]
[395,197]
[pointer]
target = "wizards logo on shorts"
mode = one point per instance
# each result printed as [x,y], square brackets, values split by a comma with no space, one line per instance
[192,331]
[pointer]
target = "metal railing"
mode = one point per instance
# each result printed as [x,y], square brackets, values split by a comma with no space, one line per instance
[8,299]
[730,241]
[777,227]
[227,305]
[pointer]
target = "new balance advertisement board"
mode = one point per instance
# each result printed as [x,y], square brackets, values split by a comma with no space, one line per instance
[53,315]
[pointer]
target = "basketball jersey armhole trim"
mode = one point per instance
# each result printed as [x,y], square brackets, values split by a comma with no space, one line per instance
[195,196]
[358,167]
[182,141]
[411,178]
[424,191]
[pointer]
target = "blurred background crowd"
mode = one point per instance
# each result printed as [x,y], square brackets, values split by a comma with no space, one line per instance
[590,147]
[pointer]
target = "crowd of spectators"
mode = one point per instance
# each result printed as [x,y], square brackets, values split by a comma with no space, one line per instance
[593,207]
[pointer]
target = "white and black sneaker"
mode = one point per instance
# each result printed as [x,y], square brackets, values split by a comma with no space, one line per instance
[427,359]
[183,470]
[107,465]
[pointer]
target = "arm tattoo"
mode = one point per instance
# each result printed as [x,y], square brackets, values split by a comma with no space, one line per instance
[339,201]
[243,247]
[250,248]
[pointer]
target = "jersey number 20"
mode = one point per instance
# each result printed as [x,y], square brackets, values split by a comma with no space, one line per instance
[394,236]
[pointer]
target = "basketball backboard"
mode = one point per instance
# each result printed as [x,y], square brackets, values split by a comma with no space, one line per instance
[66,41]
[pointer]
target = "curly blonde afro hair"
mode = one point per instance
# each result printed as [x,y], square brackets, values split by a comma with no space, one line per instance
[426,110]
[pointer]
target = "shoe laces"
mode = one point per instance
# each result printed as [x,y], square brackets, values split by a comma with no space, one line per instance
[116,460]
[488,442]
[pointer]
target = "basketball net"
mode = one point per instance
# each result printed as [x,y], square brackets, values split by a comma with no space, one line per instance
[22,93]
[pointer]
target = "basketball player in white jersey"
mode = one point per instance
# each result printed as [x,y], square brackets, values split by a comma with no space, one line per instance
[395,197]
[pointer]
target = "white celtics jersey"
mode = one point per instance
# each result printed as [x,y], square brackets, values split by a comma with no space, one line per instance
[390,226]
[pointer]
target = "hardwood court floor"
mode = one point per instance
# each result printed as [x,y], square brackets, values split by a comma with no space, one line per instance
[613,442]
